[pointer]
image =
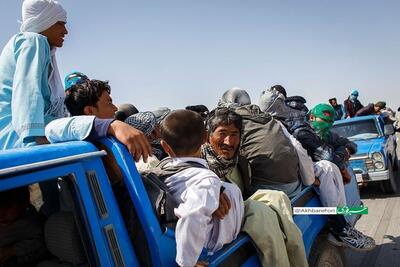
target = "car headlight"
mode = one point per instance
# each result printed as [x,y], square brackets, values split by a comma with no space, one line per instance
[377,156]
[379,165]
[369,164]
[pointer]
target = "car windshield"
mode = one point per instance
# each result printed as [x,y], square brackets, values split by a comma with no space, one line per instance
[357,130]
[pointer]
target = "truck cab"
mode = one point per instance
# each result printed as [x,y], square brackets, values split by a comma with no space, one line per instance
[375,160]
[91,227]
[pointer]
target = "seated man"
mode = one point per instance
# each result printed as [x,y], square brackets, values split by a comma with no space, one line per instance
[266,210]
[21,230]
[372,109]
[197,190]
[339,109]
[273,159]
[325,148]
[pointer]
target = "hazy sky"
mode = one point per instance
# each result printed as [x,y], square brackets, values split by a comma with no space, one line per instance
[177,53]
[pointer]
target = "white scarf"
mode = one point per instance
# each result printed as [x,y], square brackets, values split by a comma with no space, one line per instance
[57,93]
[37,16]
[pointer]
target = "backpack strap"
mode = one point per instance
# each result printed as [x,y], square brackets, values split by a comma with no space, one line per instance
[159,194]
[243,166]
[163,171]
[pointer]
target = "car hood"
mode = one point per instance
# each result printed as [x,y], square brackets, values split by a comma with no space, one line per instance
[370,145]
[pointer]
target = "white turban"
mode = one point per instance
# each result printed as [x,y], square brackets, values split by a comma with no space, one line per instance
[39,15]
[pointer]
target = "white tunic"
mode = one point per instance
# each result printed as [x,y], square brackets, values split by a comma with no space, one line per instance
[197,191]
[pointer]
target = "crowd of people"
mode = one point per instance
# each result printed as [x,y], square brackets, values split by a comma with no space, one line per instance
[234,168]
[352,107]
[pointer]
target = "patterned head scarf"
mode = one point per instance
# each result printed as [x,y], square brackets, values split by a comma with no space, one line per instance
[161,113]
[143,121]
[326,113]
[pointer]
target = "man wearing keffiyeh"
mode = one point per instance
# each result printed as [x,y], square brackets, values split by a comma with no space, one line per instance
[222,149]
[31,89]
[265,209]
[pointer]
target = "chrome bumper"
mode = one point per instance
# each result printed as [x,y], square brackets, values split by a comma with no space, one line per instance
[372,176]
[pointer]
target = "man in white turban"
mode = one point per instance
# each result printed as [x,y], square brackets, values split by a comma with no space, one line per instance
[31,90]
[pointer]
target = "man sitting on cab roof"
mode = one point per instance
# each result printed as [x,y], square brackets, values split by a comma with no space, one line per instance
[31,91]
[266,210]
[372,109]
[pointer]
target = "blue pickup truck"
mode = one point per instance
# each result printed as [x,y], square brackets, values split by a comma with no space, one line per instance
[376,159]
[89,229]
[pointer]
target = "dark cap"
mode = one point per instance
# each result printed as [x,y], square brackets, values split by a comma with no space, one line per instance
[280,89]
[124,111]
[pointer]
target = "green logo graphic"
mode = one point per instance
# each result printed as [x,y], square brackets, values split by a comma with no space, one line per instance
[351,210]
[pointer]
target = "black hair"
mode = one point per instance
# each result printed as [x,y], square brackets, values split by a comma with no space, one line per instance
[183,130]
[201,109]
[85,94]
[223,116]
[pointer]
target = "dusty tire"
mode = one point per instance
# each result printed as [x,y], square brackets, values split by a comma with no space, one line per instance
[389,186]
[325,254]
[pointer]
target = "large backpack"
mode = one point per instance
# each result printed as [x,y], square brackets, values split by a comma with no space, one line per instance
[160,196]
[272,157]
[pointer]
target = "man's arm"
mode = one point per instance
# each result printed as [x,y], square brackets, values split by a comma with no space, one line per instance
[90,128]
[367,110]
[343,146]
[318,149]
[76,128]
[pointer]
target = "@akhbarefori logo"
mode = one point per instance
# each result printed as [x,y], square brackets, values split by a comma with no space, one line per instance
[330,210]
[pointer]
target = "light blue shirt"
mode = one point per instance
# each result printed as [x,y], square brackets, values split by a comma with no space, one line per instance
[24,89]
[69,129]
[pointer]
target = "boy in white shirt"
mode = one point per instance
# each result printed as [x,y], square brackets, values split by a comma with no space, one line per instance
[197,190]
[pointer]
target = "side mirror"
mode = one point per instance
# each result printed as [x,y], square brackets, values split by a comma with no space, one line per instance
[389,129]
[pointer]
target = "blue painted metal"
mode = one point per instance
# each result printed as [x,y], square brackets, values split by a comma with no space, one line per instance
[361,118]
[163,246]
[366,147]
[371,145]
[114,217]
[161,241]
[251,262]
[310,225]
[91,219]
[17,157]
